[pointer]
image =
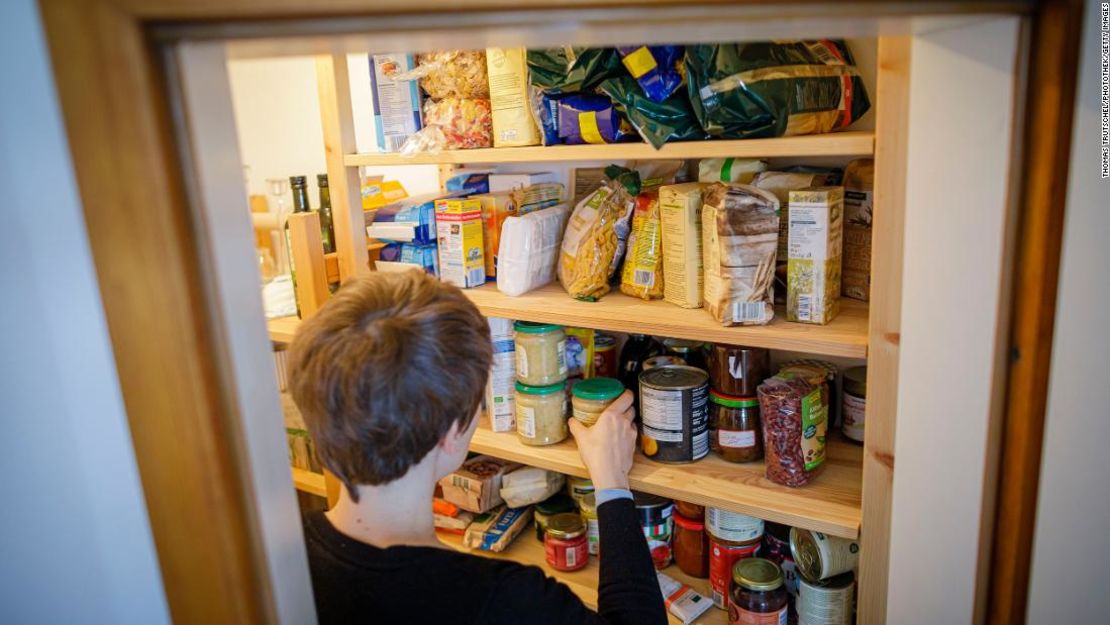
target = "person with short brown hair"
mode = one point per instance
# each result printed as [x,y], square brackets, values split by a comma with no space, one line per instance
[389,376]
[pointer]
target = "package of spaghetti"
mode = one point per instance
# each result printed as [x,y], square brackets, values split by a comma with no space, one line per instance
[642,275]
[655,68]
[774,88]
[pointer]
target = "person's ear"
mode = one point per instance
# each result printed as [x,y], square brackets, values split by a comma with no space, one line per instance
[453,440]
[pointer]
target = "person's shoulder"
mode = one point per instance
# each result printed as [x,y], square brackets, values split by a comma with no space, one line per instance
[522,593]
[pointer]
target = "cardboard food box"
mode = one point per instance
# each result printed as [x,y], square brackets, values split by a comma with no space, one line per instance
[396,103]
[496,530]
[495,208]
[462,259]
[508,182]
[814,263]
[680,208]
[476,485]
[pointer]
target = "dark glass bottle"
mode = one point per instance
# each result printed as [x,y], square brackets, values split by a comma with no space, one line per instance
[327,228]
[299,187]
[637,349]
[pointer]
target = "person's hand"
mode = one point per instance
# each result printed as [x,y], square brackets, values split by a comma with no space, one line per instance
[607,446]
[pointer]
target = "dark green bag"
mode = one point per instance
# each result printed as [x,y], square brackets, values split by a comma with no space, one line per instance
[657,122]
[765,89]
[559,71]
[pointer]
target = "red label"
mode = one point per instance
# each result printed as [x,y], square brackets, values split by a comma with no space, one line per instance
[721,559]
[740,616]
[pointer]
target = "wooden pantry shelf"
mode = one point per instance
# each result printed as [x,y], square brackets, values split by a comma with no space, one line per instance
[830,504]
[851,143]
[309,482]
[845,336]
[527,550]
[282,329]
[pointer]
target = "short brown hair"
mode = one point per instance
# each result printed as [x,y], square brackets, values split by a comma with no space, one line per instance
[384,369]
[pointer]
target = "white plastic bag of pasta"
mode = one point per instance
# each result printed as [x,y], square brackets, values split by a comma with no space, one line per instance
[529,248]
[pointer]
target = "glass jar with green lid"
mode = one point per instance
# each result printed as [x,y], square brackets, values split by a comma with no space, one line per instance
[735,431]
[541,413]
[541,353]
[757,594]
[591,397]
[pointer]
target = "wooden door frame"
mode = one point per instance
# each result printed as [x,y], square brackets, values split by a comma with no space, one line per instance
[164,325]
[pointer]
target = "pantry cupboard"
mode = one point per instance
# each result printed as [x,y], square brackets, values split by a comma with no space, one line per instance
[948,99]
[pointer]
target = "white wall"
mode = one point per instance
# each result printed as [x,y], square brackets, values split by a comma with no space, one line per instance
[74,536]
[955,230]
[1072,541]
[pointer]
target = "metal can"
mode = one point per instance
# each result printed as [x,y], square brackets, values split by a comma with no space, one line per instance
[605,356]
[657,521]
[819,556]
[723,554]
[674,408]
[733,526]
[663,360]
[830,602]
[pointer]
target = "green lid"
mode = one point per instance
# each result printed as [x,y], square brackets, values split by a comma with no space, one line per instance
[535,328]
[732,401]
[540,390]
[600,389]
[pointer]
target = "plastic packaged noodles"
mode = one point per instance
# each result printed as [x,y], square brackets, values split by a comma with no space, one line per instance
[655,68]
[774,89]
[658,122]
[593,242]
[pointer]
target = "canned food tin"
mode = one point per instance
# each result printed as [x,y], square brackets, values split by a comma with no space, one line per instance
[723,554]
[657,521]
[663,360]
[819,556]
[674,407]
[830,602]
[733,526]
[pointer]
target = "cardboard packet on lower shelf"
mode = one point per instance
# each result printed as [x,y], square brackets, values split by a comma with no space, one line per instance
[495,530]
[476,485]
[682,601]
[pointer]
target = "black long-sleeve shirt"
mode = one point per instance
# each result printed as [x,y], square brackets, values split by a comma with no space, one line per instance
[358,583]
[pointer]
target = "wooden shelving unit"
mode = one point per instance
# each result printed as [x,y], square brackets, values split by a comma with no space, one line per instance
[852,143]
[527,550]
[845,336]
[831,504]
[309,482]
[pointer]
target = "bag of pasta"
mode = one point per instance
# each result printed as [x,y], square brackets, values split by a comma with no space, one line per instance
[592,243]
[642,275]
[740,233]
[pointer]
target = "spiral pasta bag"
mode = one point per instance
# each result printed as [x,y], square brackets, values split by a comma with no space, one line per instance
[594,239]
[642,275]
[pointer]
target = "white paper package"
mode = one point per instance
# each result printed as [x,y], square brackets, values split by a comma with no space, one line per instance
[529,248]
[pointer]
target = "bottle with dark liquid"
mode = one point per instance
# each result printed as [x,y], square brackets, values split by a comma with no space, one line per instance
[637,349]
[327,228]
[299,187]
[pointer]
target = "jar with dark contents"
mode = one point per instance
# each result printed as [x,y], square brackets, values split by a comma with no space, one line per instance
[544,510]
[564,543]
[757,595]
[691,352]
[736,370]
[637,349]
[690,510]
[735,432]
[657,520]
[691,546]
[605,355]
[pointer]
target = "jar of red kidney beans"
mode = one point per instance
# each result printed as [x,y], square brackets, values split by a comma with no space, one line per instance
[794,424]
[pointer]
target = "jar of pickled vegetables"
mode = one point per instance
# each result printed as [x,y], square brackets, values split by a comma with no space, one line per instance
[541,413]
[591,398]
[541,353]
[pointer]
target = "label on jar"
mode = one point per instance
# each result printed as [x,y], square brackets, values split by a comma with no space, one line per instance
[740,616]
[853,415]
[521,362]
[721,559]
[587,418]
[732,526]
[561,356]
[526,421]
[593,536]
[814,424]
[739,439]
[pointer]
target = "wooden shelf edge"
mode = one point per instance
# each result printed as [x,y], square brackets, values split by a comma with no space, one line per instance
[849,143]
[282,329]
[583,583]
[846,336]
[832,504]
[309,482]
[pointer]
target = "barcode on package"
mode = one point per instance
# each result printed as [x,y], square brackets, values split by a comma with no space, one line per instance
[718,598]
[805,307]
[823,53]
[475,277]
[460,482]
[750,311]
[395,142]
[644,278]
